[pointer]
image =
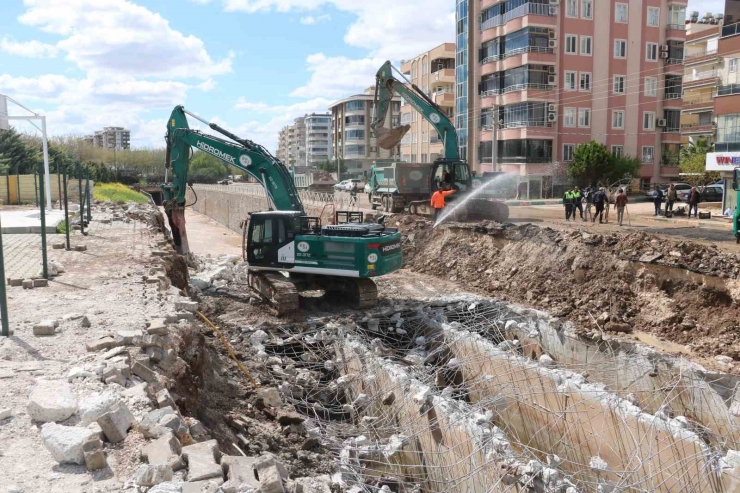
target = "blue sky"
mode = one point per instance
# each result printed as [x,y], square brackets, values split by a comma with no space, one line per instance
[250,65]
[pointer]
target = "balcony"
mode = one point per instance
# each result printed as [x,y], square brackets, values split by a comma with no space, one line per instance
[444,75]
[697,128]
[728,90]
[730,30]
[521,11]
[518,51]
[676,27]
[698,78]
[444,98]
[700,57]
[526,123]
[694,103]
[668,96]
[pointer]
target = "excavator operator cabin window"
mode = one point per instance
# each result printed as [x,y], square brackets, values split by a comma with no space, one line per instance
[461,173]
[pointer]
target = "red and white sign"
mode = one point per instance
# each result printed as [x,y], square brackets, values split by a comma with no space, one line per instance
[723,161]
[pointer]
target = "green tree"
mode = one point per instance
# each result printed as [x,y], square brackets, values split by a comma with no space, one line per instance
[4,164]
[621,168]
[694,170]
[23,158]
[205,168]
[700,147]
[328,166]
[590,163]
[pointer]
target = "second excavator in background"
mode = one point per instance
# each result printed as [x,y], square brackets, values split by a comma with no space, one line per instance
[410,185]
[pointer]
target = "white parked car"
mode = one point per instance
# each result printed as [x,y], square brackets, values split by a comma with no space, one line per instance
[348,185]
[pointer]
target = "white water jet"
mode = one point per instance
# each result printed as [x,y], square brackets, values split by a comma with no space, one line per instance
[470,196]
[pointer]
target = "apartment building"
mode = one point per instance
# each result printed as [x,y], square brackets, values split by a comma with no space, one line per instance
[553,74]
[318,138]
[292,143]
[434,73]
[112,138]
[352,140]
[702,66]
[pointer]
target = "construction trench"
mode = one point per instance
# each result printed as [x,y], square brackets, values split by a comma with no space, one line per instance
[439,392]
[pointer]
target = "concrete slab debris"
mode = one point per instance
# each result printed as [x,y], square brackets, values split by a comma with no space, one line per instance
[165,450]
[150,475]
[239,470]
[65,442]
[116,422]
[44,328]
[202,459]
[51,400]
[95,405]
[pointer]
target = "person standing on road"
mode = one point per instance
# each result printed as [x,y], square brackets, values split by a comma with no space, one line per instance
[607,203]
[588,194]
[694,199]
[438,201]
[621,204]
[599,199]
[568,203]
[658,199]
[577,202]
[671,197]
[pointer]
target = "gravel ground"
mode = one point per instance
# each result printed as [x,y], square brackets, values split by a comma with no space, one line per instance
[104,283]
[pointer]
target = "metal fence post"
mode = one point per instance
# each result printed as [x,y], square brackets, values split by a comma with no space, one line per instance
[87,196]
[42,209]
[66,206]
[3,297]
[82,200]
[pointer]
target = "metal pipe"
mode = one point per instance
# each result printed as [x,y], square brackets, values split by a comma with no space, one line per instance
[3,297]
[47,181]
[66,206]
[87,196]
[82,199]
[44,259]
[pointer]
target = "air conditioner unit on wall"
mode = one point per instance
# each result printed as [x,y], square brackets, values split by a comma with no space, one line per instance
[663,47]
[552,107]
[552,34]
[553,10]
[552,79]
[661,122]
[663,54]
[551,69]
[552,44]
[552,117]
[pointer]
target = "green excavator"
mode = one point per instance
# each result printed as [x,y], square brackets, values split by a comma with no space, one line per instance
[287,250]
[448,171]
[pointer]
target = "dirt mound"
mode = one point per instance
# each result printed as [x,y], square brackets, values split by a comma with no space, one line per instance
[681,291]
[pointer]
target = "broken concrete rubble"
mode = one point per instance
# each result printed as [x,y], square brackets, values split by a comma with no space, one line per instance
[116,422]
[65,442]
[202,459]
[51,400]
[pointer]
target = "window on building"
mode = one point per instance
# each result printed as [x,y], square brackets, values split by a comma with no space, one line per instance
[618,119]
[571,42]
[570,80]
[354,120]
[585,81]
[653,16]
[355,106]
[584,117]
[569,117]
[728,128]
[619,82]
[586,45]
[620,12]
[568,150]
[648,120]
[424,158]
[354,134]
[424,68]
[571,8]
[587,9]
[651,52]
[618,151]
[425,136]
[648,154]
[620,48]
[733,65]
[651,86]
[677,14]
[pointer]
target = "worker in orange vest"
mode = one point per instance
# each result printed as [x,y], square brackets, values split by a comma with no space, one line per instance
[438,201]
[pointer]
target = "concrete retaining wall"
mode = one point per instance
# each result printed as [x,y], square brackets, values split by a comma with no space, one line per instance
[558,412]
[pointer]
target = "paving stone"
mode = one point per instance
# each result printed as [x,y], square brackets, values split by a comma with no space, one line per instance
[114,352]
[209,486]
[40,283]
[169,487]
[5,413]
[157,326]
[93,453]
[44,328]
[271,481]
[51,400]
[27,284]
[81,248]
[239,470]
[164,399]
[128,337]
[174,423]
[165,450]
[58,246]
[202,461]
[114,375]
[319,484]
[185,316]
[15,282]
[144,373]
[106,342]
[65,442]
[97,430]
[150,475]
[142,359]
[186,306]
[116,422]
[150,426]
[150,340]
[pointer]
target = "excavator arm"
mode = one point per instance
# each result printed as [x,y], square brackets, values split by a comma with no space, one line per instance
[243,154]
[386,85]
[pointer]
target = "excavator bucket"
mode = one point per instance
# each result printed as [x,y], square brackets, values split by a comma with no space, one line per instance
[390,138]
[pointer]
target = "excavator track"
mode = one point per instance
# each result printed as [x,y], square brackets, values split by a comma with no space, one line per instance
[359,293]
[277,290]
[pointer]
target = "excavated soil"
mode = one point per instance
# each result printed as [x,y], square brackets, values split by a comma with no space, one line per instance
[679,291]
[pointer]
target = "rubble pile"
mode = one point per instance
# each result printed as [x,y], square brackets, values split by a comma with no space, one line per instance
[681,291]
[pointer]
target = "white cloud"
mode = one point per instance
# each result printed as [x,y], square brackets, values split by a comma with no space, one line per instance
[47,87]
[337,77]
[29,49]
[702,6]
[389,29]
[311,20]
[122,38]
